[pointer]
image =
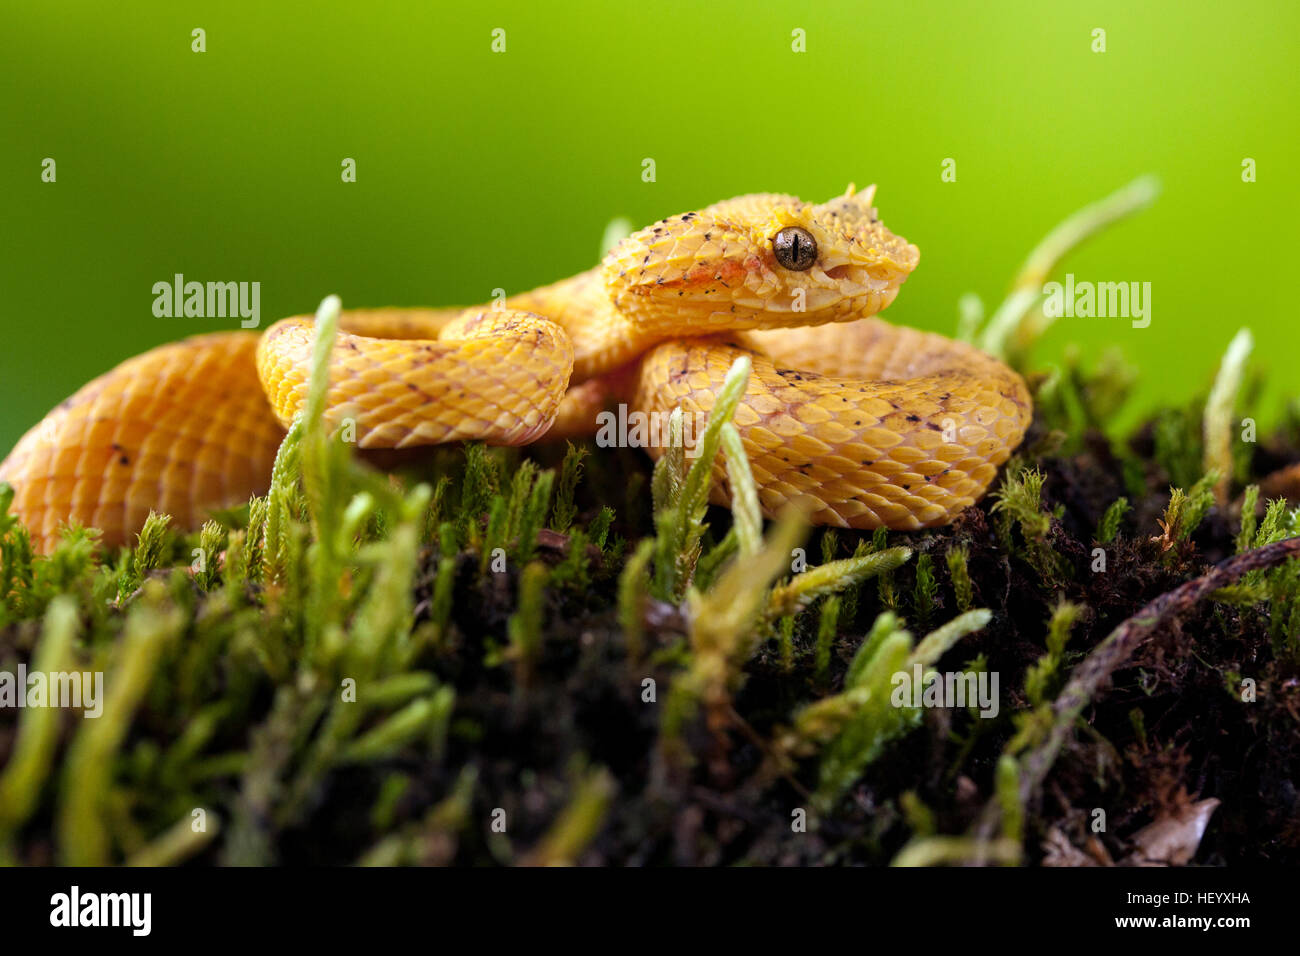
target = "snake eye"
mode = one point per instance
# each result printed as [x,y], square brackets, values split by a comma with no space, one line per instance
[795,248]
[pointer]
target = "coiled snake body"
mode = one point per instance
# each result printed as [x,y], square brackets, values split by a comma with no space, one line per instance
[871,424]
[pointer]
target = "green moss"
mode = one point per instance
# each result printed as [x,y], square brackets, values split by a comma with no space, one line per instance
[963,591]
[827,628]
[926,589]
[852,727]
[1108,528]
[564,511]
[1018,505]
[1042,678]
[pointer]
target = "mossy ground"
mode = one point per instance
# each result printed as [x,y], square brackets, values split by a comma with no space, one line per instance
[456,667]
[553,729]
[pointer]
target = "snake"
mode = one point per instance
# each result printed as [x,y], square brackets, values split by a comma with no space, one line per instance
[866,423]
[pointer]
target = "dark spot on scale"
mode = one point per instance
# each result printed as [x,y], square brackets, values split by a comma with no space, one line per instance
[933,427]
[858,422]
[646,259]
[907,487]
[125,460]
[913,418]
[708,236]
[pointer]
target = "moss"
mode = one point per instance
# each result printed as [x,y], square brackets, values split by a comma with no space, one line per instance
[1041,678]
[959,573]
[564,511]
[1111,521]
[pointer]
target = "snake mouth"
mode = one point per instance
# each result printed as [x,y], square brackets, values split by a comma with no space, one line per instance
[856,279]
[887,265]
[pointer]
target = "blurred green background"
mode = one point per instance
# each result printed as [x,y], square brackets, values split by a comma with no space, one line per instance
[477,170]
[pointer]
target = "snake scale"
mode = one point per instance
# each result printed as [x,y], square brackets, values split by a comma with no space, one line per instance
[868,423]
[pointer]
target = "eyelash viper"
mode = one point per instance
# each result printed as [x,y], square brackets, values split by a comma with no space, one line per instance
[871,424]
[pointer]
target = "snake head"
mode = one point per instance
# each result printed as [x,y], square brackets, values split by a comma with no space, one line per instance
[759,261]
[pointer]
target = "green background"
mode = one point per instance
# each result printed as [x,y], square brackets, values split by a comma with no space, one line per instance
[478,170]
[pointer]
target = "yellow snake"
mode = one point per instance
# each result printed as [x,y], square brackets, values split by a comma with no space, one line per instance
[869,423]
